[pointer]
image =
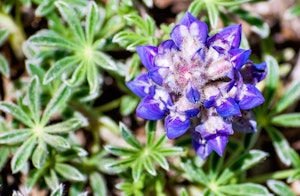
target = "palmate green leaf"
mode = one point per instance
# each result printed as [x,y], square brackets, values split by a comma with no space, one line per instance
[93,78]
[15,136]
[125,37]
[34,99]
[128,105]
[150,27]
[104,61]
[60,67]
[51,179]
[91,21]
[98,184]
[280,188]
[137,169]
[280,144]
[136,21]
[196,7]
[3,35]
[246,189]
[4,67]
[272,78]
[58,191]
[56,141]
[4,156]
[150,131]
[257,25]
[64,127]
[161,160]
[57,102]
[287,120]
[122,164]
[290,97]
[50,39]
[69,172]
[294,177]
[120,151]
[39,155]
[140,41]
[128,137]
[245,162]
[16,112]
[148,164]
[195,173]
[45,7]
[35,70]
[69,14]
[78,75]
[22,155]
[295,158]
[112,26]
[213,14]
[34,176]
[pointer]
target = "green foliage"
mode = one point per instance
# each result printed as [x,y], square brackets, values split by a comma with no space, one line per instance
[85,56]
[59,127]
[37,132]
[142,158]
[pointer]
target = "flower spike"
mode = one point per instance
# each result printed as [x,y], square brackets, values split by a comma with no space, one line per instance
[205,84]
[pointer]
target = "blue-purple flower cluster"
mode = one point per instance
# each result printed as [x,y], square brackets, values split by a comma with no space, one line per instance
[205,84]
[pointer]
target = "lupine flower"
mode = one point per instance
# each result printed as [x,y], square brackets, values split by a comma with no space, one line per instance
[205,84]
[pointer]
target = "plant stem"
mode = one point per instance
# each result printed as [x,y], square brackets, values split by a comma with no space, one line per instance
[275,176]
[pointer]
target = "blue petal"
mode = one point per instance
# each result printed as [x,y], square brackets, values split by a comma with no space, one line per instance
[253,73]
[192,112]
[218,143]
[210,102]
[178,33]
[192,94]
[188,19]
[228,107]
[151,109]
[239,57]
[230,35]
[166,46]
[246,123]
[200,145]
[147,54]
[175,127]
[140,85]
[157,74]
[250,97]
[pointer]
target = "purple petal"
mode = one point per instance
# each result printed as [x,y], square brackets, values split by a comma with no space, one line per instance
[210,102]
[199,30]
[250,97]
[218,143]
[239,57]
[166,46]
[188,19]
[200,145]
[140,85]
[246,123]
[151,109]
[157,74]
[175,126]
[192,94]
[253,73]
[230,35]
[192,112]
[178,33]
[147,54]
[228,108]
